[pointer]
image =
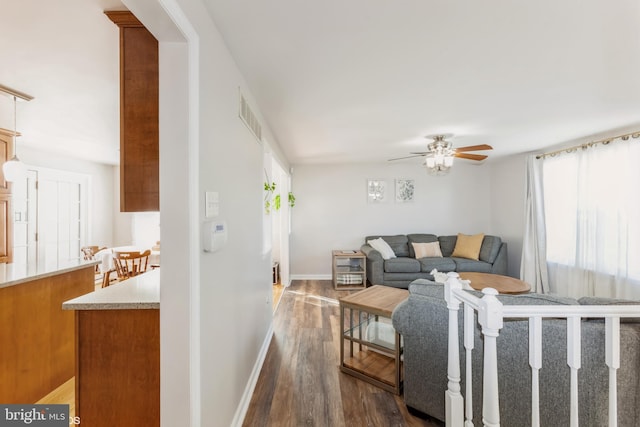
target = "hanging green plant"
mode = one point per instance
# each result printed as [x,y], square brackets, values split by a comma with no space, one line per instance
[272,201]
[269,188]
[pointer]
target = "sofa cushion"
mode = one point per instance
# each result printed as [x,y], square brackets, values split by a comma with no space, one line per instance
[441,264]
[536,299]
[468,246]
[447,243]
[419,238]
[427,288]
[490,248]
[398,243]
[464,264]
[424,250]
[402,265]
[383,247]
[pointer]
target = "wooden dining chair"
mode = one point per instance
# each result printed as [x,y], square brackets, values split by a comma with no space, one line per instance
[88,254]
[130,264]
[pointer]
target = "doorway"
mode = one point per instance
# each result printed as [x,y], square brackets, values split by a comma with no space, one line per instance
[280,230]
[50,217]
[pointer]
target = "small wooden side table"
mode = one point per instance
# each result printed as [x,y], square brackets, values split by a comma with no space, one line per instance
[374,347]
[349,269]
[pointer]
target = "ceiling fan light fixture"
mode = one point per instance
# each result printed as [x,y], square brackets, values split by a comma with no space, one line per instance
[440,156]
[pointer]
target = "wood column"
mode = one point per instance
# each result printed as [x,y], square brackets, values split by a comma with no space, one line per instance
[139,115]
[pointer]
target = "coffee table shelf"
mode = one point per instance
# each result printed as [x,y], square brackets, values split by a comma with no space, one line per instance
[363,363]
[370,349]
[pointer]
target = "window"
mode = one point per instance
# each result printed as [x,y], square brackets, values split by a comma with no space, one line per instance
[592,212]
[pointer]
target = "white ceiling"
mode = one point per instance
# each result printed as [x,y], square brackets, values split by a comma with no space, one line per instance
[366,80]
[357,80]
[64,53]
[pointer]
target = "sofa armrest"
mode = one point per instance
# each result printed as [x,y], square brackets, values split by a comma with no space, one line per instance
[500,264]
[375,265]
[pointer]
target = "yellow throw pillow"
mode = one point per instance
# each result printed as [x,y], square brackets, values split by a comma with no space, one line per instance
[468,246]
[424,250]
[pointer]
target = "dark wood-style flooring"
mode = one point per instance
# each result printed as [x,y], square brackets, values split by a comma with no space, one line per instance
[301,383]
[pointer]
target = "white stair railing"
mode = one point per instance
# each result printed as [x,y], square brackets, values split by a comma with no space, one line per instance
[491,313]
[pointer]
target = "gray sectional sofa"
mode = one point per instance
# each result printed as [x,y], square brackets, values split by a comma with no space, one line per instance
[423,320]
[401,271]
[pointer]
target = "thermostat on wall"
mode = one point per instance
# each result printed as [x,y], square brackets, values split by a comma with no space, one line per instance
[214,234]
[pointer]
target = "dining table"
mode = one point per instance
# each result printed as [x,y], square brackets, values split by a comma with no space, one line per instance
[106,266]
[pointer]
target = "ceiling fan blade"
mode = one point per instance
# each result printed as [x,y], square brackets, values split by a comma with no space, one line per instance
[422,153]
[475,148]
[470,156]
[405,157]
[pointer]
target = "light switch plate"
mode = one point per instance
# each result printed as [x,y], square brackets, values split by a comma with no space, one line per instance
[211,204]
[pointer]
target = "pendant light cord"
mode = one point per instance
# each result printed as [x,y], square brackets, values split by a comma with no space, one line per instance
[15,127]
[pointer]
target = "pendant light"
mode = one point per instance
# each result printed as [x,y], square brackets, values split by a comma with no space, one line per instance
[14,169]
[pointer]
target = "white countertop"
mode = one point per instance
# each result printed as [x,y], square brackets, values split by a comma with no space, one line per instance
[140,292]
[15,274]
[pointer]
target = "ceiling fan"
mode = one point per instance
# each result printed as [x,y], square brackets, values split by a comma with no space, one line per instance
[440,154]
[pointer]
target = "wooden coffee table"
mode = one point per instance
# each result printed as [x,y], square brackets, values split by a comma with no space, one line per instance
[374,347]
[502,284]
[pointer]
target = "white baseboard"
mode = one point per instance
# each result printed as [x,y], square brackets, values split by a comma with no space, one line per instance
[243,407]
[311,277]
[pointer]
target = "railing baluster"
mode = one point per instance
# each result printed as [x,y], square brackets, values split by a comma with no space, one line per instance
[454,404]
[612,359]
[535,361]
[490,317]
[469,328]
[573,360]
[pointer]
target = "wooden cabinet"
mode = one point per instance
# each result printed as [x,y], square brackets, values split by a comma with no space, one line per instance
[119,371]
[6,211]
[37,337]
[139,131]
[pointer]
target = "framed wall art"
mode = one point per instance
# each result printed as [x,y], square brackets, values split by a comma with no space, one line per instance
[376,191]
[405,189]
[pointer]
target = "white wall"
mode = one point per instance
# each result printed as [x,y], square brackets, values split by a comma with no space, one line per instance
[102,189]
[507,206]
[216,317]
[332,212]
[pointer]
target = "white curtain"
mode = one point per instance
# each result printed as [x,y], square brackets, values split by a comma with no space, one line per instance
[533,267]
[593,221]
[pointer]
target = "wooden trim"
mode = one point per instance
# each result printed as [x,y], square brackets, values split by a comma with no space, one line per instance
[123,18]
[9,133]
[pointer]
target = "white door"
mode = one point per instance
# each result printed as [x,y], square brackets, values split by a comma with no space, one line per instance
[25,219]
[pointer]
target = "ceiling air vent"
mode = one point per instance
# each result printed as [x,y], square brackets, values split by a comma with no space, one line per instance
[249,119]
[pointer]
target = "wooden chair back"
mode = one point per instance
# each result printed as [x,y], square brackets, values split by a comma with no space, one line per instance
[130,264]
[88,252]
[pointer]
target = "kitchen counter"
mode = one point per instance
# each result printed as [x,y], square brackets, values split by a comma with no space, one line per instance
[15,274]
[37,336]
[140,292]
[118,353]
